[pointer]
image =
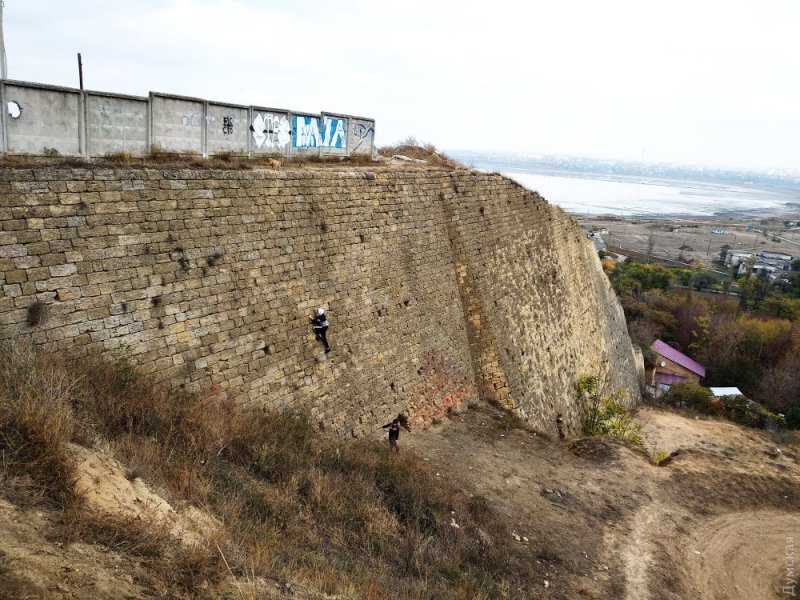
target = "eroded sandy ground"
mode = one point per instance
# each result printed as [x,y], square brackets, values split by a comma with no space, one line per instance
[596,517]
[603,522]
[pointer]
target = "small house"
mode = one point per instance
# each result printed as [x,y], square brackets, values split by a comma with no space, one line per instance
[734,258]
[768,254]
[672,366]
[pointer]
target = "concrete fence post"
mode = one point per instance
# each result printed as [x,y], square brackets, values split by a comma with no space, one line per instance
[149,124]
[290,116]
[3,119]
[83,146]
[204,131]
[249,133]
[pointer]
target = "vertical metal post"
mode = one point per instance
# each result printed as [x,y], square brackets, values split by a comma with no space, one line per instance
[80,70]
[3,65]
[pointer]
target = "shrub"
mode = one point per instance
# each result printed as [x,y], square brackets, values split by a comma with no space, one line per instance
[607,415]
[692,395]
[751,414]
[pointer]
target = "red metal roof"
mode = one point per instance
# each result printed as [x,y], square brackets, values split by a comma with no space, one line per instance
[678,358]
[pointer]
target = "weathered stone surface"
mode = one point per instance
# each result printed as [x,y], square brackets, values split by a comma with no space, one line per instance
[440,286]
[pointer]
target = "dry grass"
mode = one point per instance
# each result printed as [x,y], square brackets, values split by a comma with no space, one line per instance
[411,148]
[346,518]
[158,157]
[36,421]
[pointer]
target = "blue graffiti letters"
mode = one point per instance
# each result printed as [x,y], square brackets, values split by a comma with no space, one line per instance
[306,132]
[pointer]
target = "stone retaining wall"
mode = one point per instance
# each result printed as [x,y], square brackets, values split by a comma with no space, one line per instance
[440,286]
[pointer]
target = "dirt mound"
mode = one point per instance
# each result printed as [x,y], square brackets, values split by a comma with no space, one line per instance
[594,449]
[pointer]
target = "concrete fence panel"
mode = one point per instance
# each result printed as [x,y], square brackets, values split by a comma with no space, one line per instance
[227,128]
[361,136]
[306,134]
[178,123]
[42,119]
[50,120]
[116,124]
[334,135]
[270,131]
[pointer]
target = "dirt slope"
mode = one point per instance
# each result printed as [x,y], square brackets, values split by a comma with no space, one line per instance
[603,522]
[597,518]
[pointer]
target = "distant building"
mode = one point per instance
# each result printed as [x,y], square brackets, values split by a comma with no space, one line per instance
[721,392]
[767,255]
[734,258]
[672,366]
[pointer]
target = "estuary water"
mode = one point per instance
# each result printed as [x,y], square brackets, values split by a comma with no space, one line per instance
[721,195]
[582,195]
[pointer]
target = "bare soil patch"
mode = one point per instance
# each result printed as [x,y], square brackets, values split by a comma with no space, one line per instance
[601,521]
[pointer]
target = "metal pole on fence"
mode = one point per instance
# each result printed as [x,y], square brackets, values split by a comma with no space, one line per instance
[3,65]
[80,69]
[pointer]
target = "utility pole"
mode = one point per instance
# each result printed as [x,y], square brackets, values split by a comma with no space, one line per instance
[3,65]
[80,69]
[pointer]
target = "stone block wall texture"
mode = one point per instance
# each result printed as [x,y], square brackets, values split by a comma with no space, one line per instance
[440,286]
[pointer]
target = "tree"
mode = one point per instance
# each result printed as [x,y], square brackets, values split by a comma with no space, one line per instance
[723,252]
[779,388]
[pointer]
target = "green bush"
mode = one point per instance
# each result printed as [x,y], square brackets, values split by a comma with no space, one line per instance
[751,414]
[692,395]
[607,415]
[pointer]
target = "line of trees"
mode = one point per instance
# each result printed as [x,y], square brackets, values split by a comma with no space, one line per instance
[751,341]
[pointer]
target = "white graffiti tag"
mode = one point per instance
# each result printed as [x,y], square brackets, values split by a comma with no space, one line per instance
[271,130]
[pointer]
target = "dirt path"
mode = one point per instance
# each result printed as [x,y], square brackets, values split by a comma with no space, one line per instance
[740,555]
[603,522]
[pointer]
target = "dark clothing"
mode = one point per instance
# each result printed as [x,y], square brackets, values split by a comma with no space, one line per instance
[394,434]
[320,323]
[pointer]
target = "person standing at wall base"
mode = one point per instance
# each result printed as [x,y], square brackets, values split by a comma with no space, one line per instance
[394,430]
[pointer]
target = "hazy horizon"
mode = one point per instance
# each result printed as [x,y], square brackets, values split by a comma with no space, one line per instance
[690,83]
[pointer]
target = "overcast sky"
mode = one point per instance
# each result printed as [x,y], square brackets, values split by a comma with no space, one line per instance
[702,81]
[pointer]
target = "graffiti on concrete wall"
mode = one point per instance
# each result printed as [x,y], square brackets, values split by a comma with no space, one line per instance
[363,132]
[271,131]
[192,120]
[227,125]
[306,132]
[195,120]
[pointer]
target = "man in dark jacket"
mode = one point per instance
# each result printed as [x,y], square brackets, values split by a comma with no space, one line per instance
[394,431]
[320,323]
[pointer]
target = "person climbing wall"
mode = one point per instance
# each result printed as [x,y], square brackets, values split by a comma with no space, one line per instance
[320,324]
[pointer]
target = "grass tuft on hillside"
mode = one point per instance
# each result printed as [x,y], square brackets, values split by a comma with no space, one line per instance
[341,517]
